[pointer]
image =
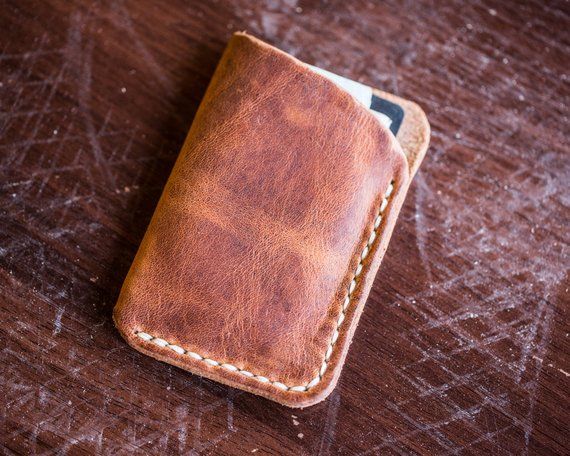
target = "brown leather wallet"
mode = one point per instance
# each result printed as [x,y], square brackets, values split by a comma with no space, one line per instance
[262,250]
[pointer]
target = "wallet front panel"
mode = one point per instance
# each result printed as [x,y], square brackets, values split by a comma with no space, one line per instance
[263,247]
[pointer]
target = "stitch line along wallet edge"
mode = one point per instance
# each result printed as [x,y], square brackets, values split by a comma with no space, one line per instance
[262,250]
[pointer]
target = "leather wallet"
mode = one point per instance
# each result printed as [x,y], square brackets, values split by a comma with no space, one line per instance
[264,245]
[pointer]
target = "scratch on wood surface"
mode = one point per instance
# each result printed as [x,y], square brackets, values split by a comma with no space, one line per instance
[122,18]
[82,54]
[420,222]
[57,321]
[328,435]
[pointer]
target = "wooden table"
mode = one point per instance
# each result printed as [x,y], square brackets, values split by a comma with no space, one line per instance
[463,347]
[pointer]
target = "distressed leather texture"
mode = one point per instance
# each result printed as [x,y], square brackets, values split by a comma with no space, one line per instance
[260,229]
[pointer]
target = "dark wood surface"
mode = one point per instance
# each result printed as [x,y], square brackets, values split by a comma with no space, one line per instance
[463,346]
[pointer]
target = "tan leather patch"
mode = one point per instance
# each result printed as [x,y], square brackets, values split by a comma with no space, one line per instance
[262,250]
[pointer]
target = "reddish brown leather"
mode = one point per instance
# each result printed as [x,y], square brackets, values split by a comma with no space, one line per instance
[259,231]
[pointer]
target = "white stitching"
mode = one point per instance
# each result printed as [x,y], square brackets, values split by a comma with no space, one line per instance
[301,388]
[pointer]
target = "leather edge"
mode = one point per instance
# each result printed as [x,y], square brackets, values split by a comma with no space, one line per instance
[415,131]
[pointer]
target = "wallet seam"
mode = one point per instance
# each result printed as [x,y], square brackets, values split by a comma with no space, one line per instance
[332,341]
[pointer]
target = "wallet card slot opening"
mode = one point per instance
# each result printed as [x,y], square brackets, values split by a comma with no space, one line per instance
[387,112]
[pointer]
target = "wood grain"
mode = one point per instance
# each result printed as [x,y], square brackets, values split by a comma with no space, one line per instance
[463,347]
